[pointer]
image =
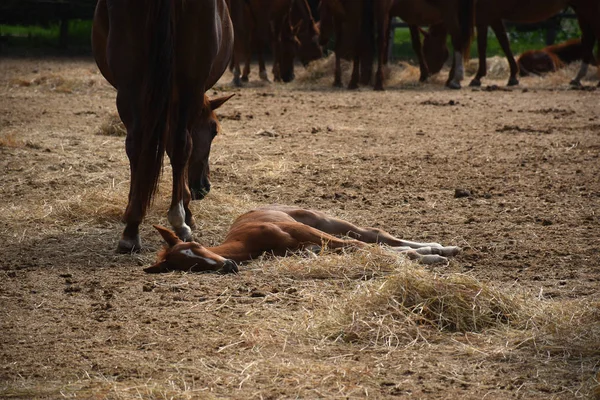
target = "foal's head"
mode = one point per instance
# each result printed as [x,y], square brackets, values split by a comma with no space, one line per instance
[203,131]
[188,256]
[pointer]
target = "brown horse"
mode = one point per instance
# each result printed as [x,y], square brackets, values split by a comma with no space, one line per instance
[280,230]
[162,56]
[550,58]
[456,15]
[492,13]
[351,23]
[288,24]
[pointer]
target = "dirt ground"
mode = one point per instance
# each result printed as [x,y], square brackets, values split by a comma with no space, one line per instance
[78,320]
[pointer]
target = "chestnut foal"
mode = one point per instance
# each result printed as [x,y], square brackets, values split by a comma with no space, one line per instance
[279,230]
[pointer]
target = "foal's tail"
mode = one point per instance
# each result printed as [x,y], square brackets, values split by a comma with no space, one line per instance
[466,20]
[156,95]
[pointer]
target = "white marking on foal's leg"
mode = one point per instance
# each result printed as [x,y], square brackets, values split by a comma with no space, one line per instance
[427,259]
[176,217]
[416,245]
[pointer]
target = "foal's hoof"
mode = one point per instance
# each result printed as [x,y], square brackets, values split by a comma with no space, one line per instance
[475,83]
[431,259]
[512,82]
[128,245]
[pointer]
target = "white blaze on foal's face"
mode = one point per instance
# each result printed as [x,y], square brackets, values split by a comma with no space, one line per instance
[193,256]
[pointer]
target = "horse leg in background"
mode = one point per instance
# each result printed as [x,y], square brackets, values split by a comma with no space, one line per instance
[382,20]
[246,73]
[457,72]
[587,44]
[415,38]
[353,84]
[481,51]
[500,31]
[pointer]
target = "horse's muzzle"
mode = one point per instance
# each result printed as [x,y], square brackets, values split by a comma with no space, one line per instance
[199,190]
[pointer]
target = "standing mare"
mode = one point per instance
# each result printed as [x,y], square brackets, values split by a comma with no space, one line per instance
[456,15]
[162,56]
[492,13]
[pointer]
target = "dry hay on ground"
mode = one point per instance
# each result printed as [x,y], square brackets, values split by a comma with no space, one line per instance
[515,315]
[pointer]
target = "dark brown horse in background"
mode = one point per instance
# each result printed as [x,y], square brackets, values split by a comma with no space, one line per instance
[162,56]
[351,22]
[287,24]
[456,15]
[492,13]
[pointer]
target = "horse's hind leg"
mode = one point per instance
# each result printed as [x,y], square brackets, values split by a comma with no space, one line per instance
[587,44]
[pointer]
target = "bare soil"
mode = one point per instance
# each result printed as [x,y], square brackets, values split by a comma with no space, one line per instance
[78,320]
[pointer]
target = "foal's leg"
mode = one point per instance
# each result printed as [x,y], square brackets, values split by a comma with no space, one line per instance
[335,226]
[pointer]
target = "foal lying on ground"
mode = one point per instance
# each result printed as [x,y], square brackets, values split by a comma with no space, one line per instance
[280,230]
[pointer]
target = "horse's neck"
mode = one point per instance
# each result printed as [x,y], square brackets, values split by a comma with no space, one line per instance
[236,251]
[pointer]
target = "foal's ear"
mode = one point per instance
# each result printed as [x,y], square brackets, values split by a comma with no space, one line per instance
[219,101]
[167,234]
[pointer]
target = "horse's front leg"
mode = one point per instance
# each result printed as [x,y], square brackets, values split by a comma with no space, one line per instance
[179,214]
[383,22]
[587,44]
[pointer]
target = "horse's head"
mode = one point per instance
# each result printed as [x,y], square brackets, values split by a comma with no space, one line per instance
[204,130]
[435,49]
[188,256]
[309,49]
[288,45]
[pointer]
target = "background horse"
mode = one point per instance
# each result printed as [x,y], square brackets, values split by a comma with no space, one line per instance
[280,230]
[287,24]
[456,15]
[161,56]
[492,13]
[351,22]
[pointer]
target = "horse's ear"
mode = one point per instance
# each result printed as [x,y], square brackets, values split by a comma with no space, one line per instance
[167,234]
[157,268]
[219,101]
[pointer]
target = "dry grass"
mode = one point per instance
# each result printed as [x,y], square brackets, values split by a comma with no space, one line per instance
[10,140]
[112,126]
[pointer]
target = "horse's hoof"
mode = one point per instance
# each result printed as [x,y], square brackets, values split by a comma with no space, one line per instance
[475,83]
[423,78]
[128,246]
[264,76]
[337,84]
[453,85]
[245,79]
[237,82]
[352,86]
[378,87]
[575,83]
[512,82]
[184,233]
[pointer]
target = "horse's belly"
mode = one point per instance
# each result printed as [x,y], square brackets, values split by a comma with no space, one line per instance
[533,10]
[416,12]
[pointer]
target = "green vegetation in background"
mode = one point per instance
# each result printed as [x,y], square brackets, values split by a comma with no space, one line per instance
[35,36]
